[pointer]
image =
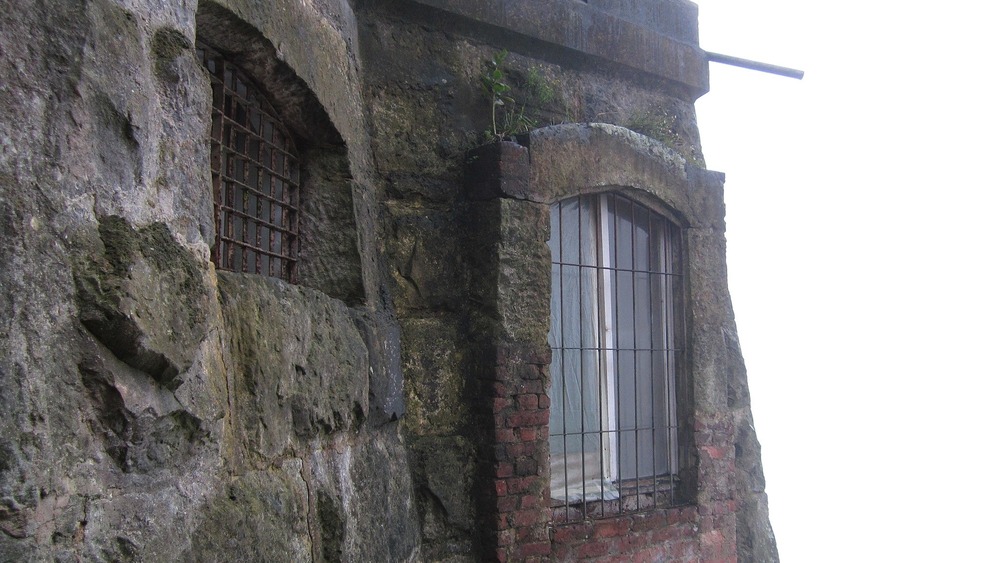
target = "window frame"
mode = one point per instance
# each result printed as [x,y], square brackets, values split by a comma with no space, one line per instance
[619,492]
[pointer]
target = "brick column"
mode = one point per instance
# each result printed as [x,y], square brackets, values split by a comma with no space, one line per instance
[509,323]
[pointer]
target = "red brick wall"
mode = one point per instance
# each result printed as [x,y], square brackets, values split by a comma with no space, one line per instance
[715,440]
[521,415]
[663,535]
[701,532]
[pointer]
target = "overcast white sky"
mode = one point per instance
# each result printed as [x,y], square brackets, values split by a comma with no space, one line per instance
[862,208]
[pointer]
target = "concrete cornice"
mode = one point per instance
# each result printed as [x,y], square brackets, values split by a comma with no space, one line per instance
[653,36]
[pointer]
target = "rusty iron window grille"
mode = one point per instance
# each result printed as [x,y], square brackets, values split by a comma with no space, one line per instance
[615,336]
[255,176]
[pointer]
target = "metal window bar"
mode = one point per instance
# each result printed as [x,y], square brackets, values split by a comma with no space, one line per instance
[255,176]
[653,421]
[650,261]
[611,242]
[583,399]
[561,351]
[671,293]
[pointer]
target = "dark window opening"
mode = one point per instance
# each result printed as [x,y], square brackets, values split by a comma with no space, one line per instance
[616,309]
[255,176]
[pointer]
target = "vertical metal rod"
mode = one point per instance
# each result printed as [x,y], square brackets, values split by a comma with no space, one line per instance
[618,336]
[583,420]
[635,351]
[580,332]
[650,261]
[562,363]
[599,343]
[677,381]
[670,374]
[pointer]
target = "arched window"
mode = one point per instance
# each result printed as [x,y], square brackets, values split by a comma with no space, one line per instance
[615,338]
[255,176]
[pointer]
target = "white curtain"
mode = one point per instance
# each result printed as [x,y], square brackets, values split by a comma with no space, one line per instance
[576,416]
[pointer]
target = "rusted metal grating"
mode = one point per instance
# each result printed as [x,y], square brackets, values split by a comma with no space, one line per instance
[255,176]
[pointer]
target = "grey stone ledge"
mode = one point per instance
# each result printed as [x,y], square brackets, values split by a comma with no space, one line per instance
[653,36]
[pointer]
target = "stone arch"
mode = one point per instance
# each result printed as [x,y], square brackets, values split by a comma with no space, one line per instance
[574,159]
[329,257]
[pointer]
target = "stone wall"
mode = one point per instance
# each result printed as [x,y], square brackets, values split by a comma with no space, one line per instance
[393,405]
[154,408]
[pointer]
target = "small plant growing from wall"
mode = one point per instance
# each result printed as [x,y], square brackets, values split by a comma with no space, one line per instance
[548,98]
[507,116]
[540,89]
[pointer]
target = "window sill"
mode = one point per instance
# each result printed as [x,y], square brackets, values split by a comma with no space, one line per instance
[633,496]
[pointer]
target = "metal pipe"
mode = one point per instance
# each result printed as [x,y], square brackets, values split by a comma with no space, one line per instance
[755,65]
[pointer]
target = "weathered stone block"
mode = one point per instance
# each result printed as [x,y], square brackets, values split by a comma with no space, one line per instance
[299,364]
[523,272]
[498,169]
[426,258]
[261,516]
[144,297]
[436,376]
[445,469]
[511,278]
[381,514]
[601,34]
[382,336]
[567,160]
[328,257]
